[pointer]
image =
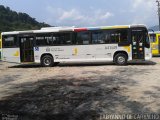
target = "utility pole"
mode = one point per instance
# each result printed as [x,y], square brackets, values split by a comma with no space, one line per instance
[158,2]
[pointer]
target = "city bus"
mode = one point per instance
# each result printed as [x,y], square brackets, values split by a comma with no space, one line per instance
[155,42]
[0,47]
[53,45]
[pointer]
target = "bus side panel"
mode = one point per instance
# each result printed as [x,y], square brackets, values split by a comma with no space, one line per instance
[105,52]
[66,53]
[11,55]
[81,53]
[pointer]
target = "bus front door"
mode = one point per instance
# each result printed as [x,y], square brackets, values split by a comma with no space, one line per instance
[138,41]
[26,49]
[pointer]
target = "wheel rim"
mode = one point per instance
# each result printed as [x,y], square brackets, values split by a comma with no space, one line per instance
[47,61]
[121,59]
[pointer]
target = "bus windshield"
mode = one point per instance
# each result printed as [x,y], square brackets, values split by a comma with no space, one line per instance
[152,38]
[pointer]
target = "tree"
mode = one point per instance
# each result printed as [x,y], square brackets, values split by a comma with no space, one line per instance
[12,21]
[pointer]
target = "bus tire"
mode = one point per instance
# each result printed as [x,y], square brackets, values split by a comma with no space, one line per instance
[120,59]
[47,61]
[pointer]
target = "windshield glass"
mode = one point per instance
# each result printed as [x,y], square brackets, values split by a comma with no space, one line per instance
[152,37]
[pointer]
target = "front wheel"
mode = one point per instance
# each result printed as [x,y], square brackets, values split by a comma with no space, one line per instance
[120,59]
[47,61]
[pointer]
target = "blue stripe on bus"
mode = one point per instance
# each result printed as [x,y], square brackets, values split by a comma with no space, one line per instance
[93,28]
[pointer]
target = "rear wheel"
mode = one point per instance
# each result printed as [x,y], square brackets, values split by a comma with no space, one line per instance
[120,59]
[47,61]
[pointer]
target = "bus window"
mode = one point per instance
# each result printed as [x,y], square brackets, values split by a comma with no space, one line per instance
[98,37]
[107,37]
[44,39]
[68,38]
[83,38]
[119,36]
[152,38]
[65,38]
[9,41]
[123,36]
[62,39]
[116,36]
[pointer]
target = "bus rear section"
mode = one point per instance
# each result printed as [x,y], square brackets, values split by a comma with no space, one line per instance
[18,48]
[155,43]
[10,47]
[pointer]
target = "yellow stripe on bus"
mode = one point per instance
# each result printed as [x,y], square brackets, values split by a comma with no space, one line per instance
[115,27]
[128,48]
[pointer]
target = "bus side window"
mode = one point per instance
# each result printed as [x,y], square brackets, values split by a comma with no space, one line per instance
[9,41]
[48,40]
[123,36]
[68,38]
[115,36]
[55,39]
[119,36]
[107,37]
[65,39]
[98,37]
[44,39]
[83,38]
[62,39]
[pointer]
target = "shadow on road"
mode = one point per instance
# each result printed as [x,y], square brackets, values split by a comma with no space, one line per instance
[72,99]
[84,64]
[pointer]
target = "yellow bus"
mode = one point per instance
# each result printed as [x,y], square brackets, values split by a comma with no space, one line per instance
[0,46]
[155,42]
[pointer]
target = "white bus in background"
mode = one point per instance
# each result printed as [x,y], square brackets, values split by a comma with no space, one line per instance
[50,46]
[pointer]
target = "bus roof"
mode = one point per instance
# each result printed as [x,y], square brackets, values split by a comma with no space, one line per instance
[76,29]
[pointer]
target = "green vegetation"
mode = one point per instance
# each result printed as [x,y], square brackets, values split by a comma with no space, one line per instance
[12,21]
